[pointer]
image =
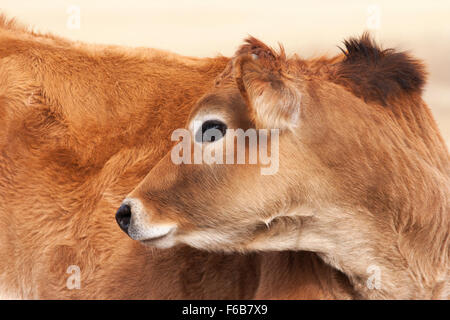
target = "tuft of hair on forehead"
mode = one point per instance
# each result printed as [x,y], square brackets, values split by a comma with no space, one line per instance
[378,75]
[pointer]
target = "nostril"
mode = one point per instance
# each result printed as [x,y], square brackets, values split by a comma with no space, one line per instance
[123,217]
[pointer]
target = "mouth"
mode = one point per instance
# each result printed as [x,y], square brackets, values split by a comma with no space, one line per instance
[158,237]
[160,241]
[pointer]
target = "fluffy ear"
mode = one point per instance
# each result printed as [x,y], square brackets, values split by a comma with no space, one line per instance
[272,96]
[378,75]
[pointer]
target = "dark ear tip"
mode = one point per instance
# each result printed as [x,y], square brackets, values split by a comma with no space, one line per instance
[257,47]
[389,71]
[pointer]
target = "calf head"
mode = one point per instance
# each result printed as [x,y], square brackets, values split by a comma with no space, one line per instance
[359,173]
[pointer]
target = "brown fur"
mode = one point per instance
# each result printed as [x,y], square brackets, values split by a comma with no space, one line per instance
[364,177]
[81,125]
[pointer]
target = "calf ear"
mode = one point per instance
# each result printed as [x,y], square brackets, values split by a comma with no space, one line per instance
[272,96]
[378,75]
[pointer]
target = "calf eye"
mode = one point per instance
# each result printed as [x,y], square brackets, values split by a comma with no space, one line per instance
[211,130]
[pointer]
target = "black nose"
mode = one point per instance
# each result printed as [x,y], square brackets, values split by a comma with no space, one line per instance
[123,217]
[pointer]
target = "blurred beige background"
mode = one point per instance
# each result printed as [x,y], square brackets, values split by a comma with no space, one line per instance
[209,27]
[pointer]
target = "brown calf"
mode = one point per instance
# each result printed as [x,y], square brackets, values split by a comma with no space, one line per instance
[363,178]
[81,126]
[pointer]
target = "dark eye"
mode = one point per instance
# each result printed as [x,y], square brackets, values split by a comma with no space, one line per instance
[211,130]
